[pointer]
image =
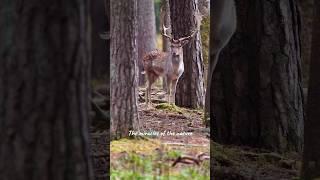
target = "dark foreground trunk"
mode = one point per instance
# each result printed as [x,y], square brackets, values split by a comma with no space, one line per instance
[257,90]
[44,90]
[311,156]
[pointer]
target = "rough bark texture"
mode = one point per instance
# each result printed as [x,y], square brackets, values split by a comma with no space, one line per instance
[146,33]
[100,47]
[44,90]
[306,9]
[204,7]
[257,90]
[190,88]
[165,20]
[107,11]
[124,114]
[311,156]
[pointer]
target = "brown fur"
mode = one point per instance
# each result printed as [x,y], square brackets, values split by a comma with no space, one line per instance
[153,54]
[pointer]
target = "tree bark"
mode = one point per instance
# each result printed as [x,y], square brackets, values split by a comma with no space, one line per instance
[146,33]
[306,7]
[190,88]
[257,87]
[107,12]
[124,54]
[311,155]
[100,49]
[44,90]
[165,20]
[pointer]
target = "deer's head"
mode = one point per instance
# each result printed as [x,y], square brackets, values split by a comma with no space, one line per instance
[177,44]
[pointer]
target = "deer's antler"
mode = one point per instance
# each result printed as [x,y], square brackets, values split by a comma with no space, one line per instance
[198,18]
[164,33]
[188,37]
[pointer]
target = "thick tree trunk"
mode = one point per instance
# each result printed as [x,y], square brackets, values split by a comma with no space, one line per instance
[100,49]
[124,113]
[311,156]
[146,33]
[306,7]
[165,20]
[257,90]
[190,88]
[107,11]
[204,7]
[44,90]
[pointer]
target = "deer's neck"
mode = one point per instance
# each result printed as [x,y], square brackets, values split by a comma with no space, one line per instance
[176,60]
[176,66]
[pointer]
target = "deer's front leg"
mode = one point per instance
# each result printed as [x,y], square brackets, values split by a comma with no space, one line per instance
[147,93]
[169,89]
[174,87]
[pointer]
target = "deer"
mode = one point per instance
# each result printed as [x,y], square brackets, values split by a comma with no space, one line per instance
[225,22]
[166,64]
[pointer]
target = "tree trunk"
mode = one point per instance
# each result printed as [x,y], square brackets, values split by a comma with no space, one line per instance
[204,8]
[257,95]
[107,11]
[306,7]
[165,20]
[44,90]
[100,50]
[311,156]
[124,116]
[190,88]
[146,33]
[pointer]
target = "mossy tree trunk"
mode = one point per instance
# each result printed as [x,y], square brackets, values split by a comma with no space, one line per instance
[44,90]
[257,95]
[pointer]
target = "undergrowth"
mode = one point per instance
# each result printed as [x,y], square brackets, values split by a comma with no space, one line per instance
[149,160]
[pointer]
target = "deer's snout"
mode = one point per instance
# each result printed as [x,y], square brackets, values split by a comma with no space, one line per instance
[175,53]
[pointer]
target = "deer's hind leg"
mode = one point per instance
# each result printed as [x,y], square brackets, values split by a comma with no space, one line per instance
[151,79]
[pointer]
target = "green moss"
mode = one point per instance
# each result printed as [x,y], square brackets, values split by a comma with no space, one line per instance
[173,154]
[169,107]
[224,156]
[155,166]
[150,159]
[146,146]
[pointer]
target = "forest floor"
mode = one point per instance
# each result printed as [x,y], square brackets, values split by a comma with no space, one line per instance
[174,144]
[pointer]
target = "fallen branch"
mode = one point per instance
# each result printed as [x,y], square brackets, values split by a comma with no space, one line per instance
[191,160]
